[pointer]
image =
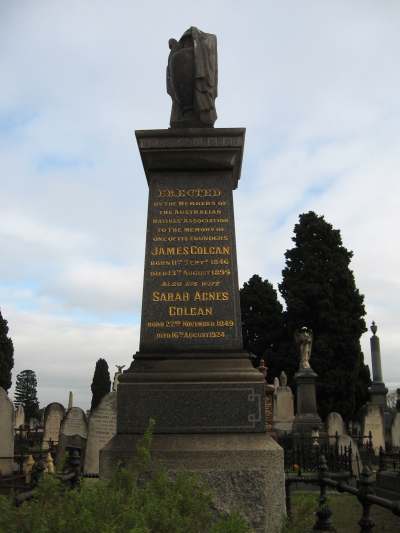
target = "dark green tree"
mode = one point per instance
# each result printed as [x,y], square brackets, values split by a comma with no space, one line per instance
[262,321]
[101,384]
[26,393]
[6,355]
[320,293]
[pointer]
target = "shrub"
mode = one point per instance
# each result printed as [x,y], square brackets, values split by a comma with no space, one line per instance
[130,502]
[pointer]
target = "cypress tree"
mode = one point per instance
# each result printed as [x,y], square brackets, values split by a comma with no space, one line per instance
[26,393]
[6,355]
[101,384]
[262,320]
[320,293]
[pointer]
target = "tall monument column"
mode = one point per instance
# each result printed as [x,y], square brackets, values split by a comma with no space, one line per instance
[377,390]
[191,374]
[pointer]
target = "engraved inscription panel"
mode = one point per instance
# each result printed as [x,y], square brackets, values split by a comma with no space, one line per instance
[190,295]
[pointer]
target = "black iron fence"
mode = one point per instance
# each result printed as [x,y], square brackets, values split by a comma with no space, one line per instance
[340,481]
[302,454]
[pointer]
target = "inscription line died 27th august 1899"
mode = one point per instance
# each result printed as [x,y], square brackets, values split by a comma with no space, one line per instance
[189,264]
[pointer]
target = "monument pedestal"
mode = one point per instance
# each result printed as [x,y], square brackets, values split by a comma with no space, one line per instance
[191,374]
[244,470]
[307,417]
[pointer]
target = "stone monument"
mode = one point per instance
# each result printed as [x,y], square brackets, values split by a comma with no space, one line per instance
[6,434]
[102,427]
[307,418]
[283,406]
[395,431]
[335,424]
[19,417]
[73,433]
[53,415]
[377,390]
[191,373]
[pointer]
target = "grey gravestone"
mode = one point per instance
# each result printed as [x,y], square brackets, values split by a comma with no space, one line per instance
[19,416]
[191,373]
[283,406]
[373,422]
[6,434]
[102,427]
[396,431]
[73,433]
[334,424]
[53,416]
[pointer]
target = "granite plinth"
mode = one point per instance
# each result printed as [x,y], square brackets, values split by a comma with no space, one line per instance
[191,396]
[244,471]
[377,393]
[307,417]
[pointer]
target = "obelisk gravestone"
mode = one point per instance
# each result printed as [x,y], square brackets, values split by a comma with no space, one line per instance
[191,374]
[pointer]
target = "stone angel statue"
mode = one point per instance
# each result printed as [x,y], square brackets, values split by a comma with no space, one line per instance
[303,339]
[192,79]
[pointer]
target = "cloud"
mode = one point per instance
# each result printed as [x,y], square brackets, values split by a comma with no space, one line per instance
[316,87]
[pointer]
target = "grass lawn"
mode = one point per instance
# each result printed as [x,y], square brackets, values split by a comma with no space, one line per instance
[346,512]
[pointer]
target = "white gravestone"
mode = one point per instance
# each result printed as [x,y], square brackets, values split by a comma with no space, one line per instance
[6,433]
[373,422]
[19,416]
[53,415]
[283,406]
[356,464]
[335,424]
[396,431]
[102,427]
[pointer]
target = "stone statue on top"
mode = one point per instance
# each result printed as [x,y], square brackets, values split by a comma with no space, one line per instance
[303,339]
[192,79]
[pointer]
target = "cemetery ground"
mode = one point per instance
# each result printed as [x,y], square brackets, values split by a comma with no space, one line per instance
[346,512]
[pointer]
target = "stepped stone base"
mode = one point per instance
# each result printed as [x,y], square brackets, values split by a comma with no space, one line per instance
[245,471]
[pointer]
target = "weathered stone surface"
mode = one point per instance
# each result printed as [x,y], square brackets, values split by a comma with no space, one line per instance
[307,417]
[245,471]
[53,415]
[6,433]
[74,423]
[396,431]
[102,427]
[356,463]
[283,409]
[73,433]
[19,416]
[373,422]
[334,424]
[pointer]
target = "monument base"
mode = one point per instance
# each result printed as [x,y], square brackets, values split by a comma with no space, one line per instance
[307,418]
[245,471]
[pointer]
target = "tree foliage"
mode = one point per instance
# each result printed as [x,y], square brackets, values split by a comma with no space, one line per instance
[262,320]
[26,393]
[320,293]
[101,384]
[6,355]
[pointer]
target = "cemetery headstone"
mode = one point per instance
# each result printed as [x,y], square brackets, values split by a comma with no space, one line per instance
[53,416]
[356,463]
[335,424]
[6,434]
[283,406]
[19,416]
[73,433]
[191,373]
[102,427]
[396,431]
[373,422]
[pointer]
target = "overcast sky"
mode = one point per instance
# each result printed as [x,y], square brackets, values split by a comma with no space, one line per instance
[315,84]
